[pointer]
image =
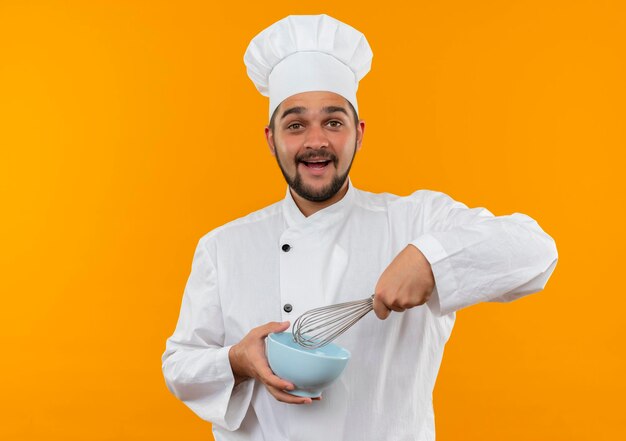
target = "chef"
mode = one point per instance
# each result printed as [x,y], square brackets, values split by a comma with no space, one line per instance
[424,256]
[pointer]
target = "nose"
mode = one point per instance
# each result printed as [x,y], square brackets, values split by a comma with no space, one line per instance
[315,138]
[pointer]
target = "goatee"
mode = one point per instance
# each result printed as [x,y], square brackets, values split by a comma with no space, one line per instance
[305,191]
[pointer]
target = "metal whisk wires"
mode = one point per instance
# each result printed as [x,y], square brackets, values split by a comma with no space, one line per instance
[320,326]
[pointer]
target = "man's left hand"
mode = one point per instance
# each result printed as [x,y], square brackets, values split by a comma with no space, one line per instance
[408,281]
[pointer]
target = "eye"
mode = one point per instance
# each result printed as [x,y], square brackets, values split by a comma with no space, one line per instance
[294,126]
[335,124]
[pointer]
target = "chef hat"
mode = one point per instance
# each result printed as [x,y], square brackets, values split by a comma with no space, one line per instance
[303,53]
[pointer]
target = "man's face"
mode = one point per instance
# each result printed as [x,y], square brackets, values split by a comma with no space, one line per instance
[314,141]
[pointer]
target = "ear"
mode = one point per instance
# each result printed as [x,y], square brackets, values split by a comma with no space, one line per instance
[269,137]
[360,131]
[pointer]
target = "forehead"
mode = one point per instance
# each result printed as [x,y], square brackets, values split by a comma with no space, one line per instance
[314,101]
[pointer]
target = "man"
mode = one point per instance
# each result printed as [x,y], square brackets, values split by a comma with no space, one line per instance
[424,256]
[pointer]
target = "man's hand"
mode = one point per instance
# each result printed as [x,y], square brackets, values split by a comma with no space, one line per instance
[247,360]
[408,281]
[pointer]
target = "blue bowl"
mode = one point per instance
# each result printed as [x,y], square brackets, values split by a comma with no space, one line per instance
[310,370]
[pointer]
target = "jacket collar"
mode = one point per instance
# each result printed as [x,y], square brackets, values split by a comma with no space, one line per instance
[328,216]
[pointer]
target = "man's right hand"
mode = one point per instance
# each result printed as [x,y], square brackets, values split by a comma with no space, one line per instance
[247,360]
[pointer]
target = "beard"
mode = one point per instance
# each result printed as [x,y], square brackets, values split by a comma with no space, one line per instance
[306,191]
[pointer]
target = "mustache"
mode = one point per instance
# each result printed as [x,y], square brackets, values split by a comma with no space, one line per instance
[312,155]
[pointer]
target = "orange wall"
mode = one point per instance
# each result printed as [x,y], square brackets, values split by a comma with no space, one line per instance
[128,129]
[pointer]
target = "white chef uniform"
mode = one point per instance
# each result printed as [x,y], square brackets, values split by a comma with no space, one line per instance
[245,273]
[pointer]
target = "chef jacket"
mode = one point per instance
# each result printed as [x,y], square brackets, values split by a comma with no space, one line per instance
[275,264]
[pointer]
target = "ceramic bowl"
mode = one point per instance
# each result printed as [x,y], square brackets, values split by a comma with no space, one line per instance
[310,370]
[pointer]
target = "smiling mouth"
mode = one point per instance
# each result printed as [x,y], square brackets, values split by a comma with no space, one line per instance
[317,164]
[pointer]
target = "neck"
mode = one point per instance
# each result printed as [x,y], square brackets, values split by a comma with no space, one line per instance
[310,207]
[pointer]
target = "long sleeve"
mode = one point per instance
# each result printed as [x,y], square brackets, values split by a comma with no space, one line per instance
[195,363]
[478,257]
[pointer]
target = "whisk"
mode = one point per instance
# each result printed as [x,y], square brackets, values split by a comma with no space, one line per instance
[318,327]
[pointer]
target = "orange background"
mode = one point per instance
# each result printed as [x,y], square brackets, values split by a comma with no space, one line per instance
[128,129]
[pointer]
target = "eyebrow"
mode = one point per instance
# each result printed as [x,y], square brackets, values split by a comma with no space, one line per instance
[300,110]
[333,109]
[297,110]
